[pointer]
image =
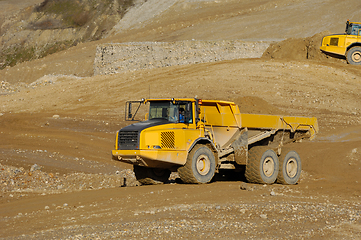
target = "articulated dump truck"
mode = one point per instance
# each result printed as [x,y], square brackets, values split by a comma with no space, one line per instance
[197,138]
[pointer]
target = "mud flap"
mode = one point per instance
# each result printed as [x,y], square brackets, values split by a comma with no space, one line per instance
[240,146]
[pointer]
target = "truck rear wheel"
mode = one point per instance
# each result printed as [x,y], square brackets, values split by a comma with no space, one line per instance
[353,56]
[200,166]
[151,176]
[290,168]
[262,165]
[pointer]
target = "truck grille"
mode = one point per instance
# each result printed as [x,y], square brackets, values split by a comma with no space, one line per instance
[128,140]
[334,42]
[167,140]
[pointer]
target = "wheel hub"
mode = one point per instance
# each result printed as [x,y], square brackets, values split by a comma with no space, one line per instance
[203,165]
[291,167]
[356,57]
[268,166]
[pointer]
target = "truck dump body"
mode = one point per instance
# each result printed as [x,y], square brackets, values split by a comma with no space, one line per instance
[212,133]
[224,120]
[257,121]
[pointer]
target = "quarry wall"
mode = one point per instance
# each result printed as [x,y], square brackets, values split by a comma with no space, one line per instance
[119,57]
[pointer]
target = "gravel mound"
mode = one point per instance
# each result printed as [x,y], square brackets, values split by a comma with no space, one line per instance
[116,58]
[300,49]
[17,182]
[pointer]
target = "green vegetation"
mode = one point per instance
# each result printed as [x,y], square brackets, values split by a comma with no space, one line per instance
[77,13]
[72,14]
[98,15]
[124,5]
[57,47]
[15,55]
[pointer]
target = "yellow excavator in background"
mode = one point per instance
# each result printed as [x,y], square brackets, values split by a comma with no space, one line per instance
[347,44]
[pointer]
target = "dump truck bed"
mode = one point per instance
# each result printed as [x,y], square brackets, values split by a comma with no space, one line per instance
[224,119]
[274,122]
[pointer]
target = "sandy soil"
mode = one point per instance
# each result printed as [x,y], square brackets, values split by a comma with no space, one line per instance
[55,114]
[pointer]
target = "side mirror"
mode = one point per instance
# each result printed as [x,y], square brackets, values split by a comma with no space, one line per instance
[129,115]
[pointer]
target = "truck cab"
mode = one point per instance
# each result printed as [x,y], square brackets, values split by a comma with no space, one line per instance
[353,28]
[162,140]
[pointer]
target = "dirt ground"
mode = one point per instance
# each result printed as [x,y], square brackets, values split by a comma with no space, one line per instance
[58,123]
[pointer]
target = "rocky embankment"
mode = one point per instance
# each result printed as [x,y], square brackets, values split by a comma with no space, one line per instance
[116,58]
[18,182]
[55,25]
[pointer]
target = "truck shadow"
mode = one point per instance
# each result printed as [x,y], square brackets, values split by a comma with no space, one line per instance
[223,175]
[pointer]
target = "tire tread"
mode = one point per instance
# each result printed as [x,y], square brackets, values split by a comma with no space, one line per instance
[253,168]
[185,172]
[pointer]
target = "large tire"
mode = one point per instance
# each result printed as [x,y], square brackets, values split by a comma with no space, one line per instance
[151,176]
[290,168]
[262,165]
[353,56]
[200,166]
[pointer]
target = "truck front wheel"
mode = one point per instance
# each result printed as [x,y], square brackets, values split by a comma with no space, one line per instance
[200,166]
[353,56]
[262,165]
[151,176]
[290,168]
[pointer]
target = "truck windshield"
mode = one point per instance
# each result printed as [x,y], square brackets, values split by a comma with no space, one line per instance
[353,29]
[169,111]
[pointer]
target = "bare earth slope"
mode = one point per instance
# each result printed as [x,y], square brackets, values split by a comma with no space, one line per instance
[54,113]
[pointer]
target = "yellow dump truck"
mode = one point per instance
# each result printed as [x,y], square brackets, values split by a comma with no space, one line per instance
[347,44]
[197,138]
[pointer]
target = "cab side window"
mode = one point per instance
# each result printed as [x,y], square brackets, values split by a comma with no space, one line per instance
[186,113]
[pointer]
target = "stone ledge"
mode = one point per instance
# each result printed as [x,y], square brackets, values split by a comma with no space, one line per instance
[121,57]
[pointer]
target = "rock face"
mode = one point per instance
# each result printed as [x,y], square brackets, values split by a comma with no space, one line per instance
[115,58]
[55,25]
